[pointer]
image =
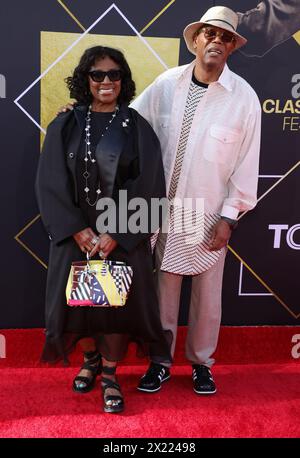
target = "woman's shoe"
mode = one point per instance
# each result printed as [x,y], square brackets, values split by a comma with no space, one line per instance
[93,364]
[112,403]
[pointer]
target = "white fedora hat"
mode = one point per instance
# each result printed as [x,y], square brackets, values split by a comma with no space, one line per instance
[219,16]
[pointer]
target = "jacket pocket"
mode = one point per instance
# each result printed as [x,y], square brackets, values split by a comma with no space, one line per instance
[222,144]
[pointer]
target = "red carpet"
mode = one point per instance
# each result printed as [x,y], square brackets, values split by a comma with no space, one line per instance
[253,400]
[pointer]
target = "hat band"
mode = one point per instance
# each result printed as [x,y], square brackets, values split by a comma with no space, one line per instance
[221,20]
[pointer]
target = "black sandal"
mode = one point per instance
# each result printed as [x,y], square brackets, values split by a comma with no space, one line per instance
[94,365]
[112,403]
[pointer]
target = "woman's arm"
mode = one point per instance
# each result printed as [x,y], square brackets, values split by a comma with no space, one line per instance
[54,190]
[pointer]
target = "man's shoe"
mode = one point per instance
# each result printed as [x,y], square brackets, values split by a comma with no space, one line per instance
[203,380]
[152,380]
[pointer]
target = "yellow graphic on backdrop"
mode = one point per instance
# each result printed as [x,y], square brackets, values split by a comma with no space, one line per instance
[144,65]
[297,37]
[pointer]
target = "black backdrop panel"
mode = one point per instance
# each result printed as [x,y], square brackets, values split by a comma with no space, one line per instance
[264,287]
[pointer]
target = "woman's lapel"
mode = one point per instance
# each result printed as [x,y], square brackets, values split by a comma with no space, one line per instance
[109,149]
[75,139]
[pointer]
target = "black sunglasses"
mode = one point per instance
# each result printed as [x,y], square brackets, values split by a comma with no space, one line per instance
[211,33]
[98,75]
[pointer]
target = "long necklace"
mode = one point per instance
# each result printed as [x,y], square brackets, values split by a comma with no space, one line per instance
[89,160]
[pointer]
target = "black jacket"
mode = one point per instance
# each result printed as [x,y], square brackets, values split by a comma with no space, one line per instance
[56,183]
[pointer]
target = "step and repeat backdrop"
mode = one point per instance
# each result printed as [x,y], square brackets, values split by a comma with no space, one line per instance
[41,42]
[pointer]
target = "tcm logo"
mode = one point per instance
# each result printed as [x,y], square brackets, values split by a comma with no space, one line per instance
[283,231]
[2,87]
[296,348]
[2,346]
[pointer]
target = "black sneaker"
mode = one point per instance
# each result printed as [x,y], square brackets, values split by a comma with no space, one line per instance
[152,380]
[203,380]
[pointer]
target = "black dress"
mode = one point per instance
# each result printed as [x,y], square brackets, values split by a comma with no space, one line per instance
[127,167]
[112,328]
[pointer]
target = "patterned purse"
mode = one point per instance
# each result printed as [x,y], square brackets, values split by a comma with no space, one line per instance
[100,283]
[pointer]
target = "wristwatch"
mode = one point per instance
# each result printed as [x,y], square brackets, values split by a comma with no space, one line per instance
[231,222]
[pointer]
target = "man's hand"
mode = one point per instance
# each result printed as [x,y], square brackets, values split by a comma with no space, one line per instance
[65,108]
[107,245]
[87,241]
[220,235]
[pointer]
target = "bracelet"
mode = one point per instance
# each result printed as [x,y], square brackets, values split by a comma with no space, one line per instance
[231,222]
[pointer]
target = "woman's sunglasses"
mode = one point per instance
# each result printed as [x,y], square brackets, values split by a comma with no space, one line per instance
[98,75]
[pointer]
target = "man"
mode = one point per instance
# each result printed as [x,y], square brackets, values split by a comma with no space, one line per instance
[208,120]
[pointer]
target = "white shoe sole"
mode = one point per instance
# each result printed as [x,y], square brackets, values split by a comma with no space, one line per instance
[157,389]
[205,392]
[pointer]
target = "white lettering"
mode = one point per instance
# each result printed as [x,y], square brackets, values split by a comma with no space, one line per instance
[289,237]
[123,448]
[296,88]
[159,213]
[296,348]
[123,208]
[138,221]
[2,87]
[277,234]
[2,346]
[106,221]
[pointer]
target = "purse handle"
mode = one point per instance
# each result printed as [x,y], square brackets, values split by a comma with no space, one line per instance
[88,258]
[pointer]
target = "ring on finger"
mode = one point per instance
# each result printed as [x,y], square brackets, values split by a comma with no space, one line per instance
[101,254]
[95,240]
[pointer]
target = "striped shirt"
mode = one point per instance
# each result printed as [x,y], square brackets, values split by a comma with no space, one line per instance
[189,231]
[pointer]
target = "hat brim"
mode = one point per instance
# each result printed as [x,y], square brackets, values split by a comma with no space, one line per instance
[190,30]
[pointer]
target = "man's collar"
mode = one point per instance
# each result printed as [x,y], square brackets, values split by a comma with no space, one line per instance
[225,78]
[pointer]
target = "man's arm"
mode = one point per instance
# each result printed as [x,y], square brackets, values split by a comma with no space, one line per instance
[242,186]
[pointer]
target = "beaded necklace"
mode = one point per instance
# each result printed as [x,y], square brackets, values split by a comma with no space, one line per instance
[89,160]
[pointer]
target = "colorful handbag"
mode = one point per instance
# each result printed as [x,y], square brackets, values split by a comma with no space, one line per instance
[100,283]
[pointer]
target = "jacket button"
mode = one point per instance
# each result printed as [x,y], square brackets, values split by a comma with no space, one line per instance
[50,236]
[71,155]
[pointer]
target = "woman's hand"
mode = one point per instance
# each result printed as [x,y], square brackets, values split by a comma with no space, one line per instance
[107,245]
[65,108]
[87,241]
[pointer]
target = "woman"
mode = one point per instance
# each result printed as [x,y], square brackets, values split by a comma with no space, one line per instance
[93,152]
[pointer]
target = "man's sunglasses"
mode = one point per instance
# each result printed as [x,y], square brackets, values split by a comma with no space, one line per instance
[98,75]
[211,33]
